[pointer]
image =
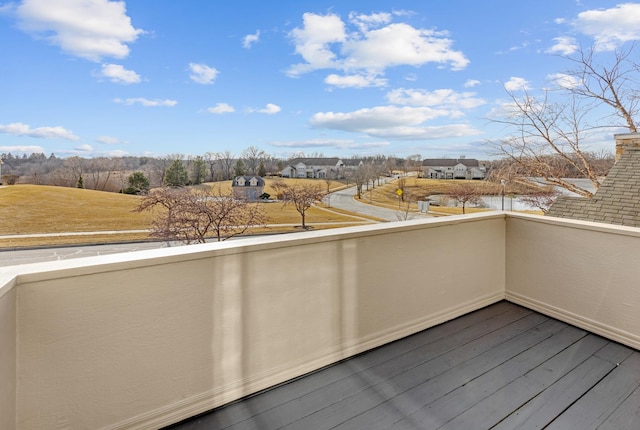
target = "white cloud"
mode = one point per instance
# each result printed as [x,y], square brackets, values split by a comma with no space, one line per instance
[118,74]
[202,74]
[26,149]
[471,83]
[516,84]
[340,144]
[220,108]
[84,148]
[393,122]
[364,22]
[564,81]
[324,43]
[427,132]
[20,129]
[563,46]
[400,44]
[375,118]
[108,140]
[270,109]
[610,27]
[250,39]
[445,98]
[354,81]
[88,29]
[313,41]
[146,102]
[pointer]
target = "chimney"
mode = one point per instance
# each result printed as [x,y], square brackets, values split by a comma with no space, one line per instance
[624,141]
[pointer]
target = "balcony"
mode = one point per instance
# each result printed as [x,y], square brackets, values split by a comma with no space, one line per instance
[147,339]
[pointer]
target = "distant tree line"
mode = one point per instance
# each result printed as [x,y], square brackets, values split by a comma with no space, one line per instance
[137,175]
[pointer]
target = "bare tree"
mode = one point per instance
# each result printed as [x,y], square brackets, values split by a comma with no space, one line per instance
[100,171]
[414,162]
[226,161]
[615,85]
[302,196]
[360,176]
[404,210]
[193,216]
[542,198]
[252,158]
[466,193]
[547,138]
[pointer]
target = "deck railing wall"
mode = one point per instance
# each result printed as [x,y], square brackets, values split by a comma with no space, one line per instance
[145,339]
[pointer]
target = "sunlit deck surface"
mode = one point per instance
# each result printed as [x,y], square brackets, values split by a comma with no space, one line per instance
[503,367]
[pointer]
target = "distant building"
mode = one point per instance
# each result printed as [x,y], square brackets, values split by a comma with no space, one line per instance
[453,168]
[316,168]
[617,201]
[247,187]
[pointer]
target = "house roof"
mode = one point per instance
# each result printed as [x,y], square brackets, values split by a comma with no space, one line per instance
[617,201]
[247,181]
[331,161]
[446,162]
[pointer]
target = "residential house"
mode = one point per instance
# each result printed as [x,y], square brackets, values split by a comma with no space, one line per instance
[453,168]
[316,168]
[247,187]
[617,201]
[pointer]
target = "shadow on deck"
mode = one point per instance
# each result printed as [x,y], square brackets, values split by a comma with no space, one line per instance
[502,367]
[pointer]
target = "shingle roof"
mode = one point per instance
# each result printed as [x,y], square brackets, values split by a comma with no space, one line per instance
[617,201]
[331,161]
[445,162]
[247,179]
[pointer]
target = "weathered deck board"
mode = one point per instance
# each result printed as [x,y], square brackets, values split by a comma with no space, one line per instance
[610,404]
[501,366]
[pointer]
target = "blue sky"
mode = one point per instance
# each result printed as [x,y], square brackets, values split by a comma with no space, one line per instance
[155,77]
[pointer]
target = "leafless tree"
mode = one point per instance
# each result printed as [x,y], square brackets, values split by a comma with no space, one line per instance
[542,198]
[210,160]
[226,161]
[616,85]
[252,157]
[414,162]
[360,175]
[548,136]
[404,209]
[465,194]
[302,197]
[193,216]
[100,171]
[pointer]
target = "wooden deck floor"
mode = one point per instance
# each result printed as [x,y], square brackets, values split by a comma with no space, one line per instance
[502,367]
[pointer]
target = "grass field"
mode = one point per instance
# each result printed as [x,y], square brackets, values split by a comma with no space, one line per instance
[34,209]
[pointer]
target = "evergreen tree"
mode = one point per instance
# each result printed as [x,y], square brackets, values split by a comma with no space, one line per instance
[198,170]
[240,169]
[262,171]
[80,183]
[137,183]
[176,174]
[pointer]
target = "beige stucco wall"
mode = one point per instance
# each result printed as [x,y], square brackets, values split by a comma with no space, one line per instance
[587,274]
[8,356]
[144,339]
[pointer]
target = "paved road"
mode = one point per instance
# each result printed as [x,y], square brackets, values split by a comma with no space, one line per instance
[341,199]
[26,256]
[344,199]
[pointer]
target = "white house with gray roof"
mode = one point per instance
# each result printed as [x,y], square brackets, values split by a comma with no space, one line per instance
[453,168]
[316,168]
